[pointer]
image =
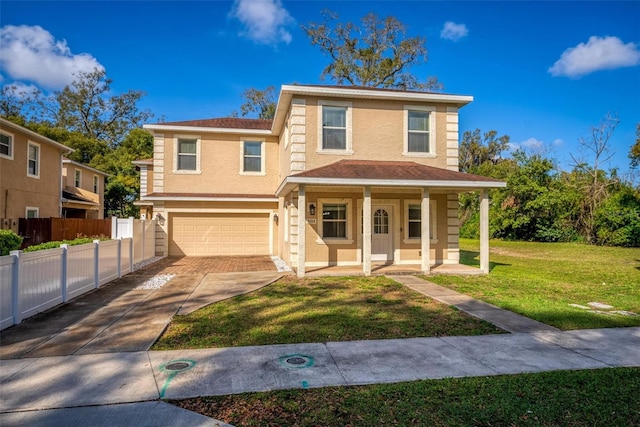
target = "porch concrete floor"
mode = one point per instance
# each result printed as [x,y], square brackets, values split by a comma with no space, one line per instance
[379,269]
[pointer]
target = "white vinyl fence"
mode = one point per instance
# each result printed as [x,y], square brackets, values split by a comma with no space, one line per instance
[33,282]
[143,233]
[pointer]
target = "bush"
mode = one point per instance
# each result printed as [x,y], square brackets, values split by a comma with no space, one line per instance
[54,245]
[618,219]
[9,241]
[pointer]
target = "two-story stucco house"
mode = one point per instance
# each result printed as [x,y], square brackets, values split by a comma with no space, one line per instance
[340,176]
[30,173]
[82,191]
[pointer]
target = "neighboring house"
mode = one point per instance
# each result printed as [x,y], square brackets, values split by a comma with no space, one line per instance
[334,161]
[82,191]
[30,173]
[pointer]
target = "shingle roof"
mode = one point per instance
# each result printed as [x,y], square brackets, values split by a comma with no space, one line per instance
[210,196]
[387,170]
[225,123]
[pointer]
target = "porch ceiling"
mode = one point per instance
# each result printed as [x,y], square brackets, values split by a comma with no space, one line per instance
[387,174]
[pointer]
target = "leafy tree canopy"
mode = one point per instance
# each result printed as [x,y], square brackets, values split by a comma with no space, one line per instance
[634,153]
[86,107]
[260,102]
[477,149]
[376,53]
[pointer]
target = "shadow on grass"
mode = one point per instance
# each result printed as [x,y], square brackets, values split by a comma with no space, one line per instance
[472,259]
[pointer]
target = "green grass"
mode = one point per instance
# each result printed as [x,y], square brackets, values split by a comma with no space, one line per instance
[319,310]
[540,280]
[605,397]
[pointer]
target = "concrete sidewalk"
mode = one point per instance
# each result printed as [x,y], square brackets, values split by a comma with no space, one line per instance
[504,319]
[67,385]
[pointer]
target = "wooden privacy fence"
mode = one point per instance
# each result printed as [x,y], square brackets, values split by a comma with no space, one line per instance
[41,230]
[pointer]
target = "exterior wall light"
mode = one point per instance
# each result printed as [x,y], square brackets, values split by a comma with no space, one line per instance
[312,209]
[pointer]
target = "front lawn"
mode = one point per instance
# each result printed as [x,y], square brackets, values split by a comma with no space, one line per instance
[540,280]
[603,397]
[319,310]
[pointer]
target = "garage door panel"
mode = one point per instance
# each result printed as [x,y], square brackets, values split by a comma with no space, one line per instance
[219,234]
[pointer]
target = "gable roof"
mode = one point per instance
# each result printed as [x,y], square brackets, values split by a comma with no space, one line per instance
[9,125]
[217,125]
[388,173]
[225,123]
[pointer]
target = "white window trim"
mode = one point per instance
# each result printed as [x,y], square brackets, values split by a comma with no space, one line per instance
[96,184]
[37,174]
[433,218]
[11,145]
[175,154]
[31,208]
[349,125]
[432,131]
[262,171]
[348,240]
[77,178]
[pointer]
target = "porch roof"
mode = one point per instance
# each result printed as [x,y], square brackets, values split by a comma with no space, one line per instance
[388,174]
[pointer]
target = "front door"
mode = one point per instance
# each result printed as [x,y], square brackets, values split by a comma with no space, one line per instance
[381,233]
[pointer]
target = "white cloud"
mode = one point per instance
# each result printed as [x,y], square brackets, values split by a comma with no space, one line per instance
[30,53]
[531,144]
[599,53]
[453,31]
[558,142]
[264,21]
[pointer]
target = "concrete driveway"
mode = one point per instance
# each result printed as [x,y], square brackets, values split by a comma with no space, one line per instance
[129,314]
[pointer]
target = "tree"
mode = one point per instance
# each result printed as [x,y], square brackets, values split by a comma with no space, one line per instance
[123,187]
[260,102]
[634,153]
[17,103]
[86,107]
[376,54]
[533,206]
[590,179]
[476,149]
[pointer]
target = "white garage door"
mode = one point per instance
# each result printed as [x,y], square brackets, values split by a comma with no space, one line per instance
[219,234]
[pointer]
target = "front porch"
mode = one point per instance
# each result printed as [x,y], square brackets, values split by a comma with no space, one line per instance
[381,269]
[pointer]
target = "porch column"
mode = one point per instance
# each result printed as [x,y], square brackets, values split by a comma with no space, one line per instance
[484,231]
[302,221]
[425,232]
[366,232]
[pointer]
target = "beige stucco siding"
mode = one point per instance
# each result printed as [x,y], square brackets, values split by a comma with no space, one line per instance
[321,251]
[377,131]
[18,190]
[221,166]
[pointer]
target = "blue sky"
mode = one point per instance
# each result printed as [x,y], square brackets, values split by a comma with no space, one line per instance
[543,73]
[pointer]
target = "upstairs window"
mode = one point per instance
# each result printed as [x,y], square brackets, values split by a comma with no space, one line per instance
[33,160]
[6,145]
[334,127]
[96,182]
[78,178]
[252,157]
[187,154]
[419,131]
